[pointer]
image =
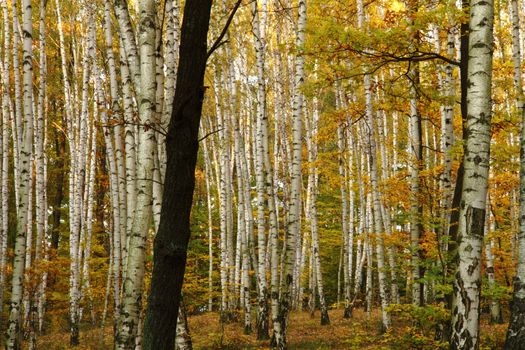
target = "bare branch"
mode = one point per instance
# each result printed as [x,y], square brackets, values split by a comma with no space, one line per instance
[209,134]
[218,42]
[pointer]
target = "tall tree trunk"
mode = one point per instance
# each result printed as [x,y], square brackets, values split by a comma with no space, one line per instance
[208,179]
[13,340]
[293,230]
[225,207]
[40,184]
[7,111]
[173,234]
[516,332]
[415,207]
[128,321]
[495,310]
[313,180]
[447,135]
[261,171]
[465,317]
[416,151]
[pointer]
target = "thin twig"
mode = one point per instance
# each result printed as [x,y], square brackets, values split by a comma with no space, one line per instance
[113,124]
[209,134]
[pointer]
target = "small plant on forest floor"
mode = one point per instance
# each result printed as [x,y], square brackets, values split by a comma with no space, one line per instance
[414,327]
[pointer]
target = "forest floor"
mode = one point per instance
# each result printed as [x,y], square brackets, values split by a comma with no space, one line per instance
[305,332]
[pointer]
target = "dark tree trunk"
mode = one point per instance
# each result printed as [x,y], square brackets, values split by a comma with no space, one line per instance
[182,145]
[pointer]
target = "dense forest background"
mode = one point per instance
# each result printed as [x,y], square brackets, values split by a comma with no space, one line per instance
[352,155]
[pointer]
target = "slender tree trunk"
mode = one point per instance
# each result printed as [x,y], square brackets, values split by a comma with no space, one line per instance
[13,340]
[208,179]
[364,226]
[183,338]
[347,249]
[129,41]
[6,113]
[447,135]
[261,171]
[40,187]
[129,315]
[293,230]
[313,180]
[516,331]
[224,210]
[495,310]
[415,207]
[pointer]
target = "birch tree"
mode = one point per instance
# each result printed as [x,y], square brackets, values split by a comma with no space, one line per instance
[293,229]
[134,270]
[313,181]
[6,115]
[465,317]
[516,332]
[13,339]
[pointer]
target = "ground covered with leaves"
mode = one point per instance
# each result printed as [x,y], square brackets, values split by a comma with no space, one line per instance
[360,332]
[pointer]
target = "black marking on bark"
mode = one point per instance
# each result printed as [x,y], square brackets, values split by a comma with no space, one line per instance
[472,268]
[475,218]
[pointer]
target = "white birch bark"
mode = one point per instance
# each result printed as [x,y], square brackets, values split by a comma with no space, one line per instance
[208,180]
[373,164]
[158,176]
[385,213]
[16,120]
[223,208]
[77,135]
[363,229]
[347,249]
[129,46]
[415,208]
[183,338]
[351,225]
[13,340]
[369,268]
[262,171]
[465,317]
[516,331]
[130,146]
[119,187]
[447,134]
[313,180]
[88,222]
[495,310]
[35,300]
[6,114]
[293,229]
[133,284]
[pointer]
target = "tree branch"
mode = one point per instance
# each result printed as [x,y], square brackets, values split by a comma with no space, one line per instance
[209,134]
[218,42]
[112,124]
